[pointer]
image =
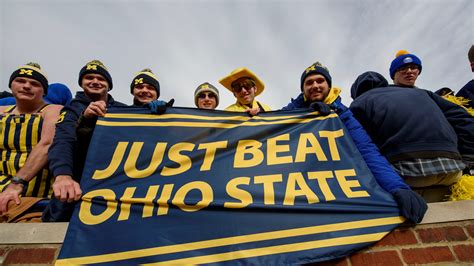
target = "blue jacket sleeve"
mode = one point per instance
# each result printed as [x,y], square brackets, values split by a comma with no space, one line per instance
[62,150]
[383,172]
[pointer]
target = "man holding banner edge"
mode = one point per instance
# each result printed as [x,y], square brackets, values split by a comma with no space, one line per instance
[68,152]
[317,91]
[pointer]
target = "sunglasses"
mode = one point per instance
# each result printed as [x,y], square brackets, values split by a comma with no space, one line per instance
[245,84]
[405,68]
[205,95]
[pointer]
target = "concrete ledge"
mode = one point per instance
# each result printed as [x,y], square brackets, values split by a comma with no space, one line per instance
[54,233]
[33,233]
[451,211]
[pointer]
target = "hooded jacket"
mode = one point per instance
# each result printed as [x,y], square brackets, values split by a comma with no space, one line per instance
[58,94]
[366,82]
[378,165]
[411,123]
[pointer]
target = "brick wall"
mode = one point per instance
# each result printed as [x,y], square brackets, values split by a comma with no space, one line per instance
[448,243]
[34,254]
[445,237]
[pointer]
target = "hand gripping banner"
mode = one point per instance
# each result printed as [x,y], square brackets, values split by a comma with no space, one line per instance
[201,187]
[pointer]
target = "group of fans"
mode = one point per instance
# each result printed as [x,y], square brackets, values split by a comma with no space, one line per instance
[416,143]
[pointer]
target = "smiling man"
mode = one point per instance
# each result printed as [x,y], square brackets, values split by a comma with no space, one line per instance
[68,152]
[145,87]
[206,96]
[26,132]
[245,86]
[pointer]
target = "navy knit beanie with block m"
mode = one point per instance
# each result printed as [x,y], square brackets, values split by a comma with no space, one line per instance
[146,76]
[316,68]
[95,67]
[33,71]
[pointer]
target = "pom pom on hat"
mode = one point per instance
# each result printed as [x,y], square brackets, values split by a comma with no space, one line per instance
[402,58]
[401,52]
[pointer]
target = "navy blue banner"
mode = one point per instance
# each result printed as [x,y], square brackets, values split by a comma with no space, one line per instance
[201,187]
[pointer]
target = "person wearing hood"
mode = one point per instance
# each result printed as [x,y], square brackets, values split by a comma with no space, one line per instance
[58,93]
[318,94]
[68,152]
[427,139]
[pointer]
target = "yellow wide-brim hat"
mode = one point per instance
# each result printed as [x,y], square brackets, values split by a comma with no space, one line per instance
[242,73]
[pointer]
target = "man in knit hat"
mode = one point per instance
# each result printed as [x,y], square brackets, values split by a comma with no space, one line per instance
[245,86]
[29,128]
[206,96]
[73,134]
[145,87]
[318,94]
[428,140]
[405,69]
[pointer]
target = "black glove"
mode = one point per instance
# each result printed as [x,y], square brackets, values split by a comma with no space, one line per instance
[322,108]
[159,106]
[411,205]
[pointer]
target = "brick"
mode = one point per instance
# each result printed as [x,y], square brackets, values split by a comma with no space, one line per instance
[398,238]
[3,251]
[450,233]
[427,255]
[470,230]
[464,252]
[31,255]
[336,262]
[382,258]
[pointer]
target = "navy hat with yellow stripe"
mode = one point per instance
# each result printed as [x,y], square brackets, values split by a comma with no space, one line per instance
[95,67]
[316,68]
[146,76]
[33,71]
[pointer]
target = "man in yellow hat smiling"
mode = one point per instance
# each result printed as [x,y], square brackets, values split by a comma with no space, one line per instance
[245,86]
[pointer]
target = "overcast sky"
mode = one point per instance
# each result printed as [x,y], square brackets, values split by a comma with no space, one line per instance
[187,42]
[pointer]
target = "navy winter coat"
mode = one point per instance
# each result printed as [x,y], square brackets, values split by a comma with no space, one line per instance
[410,123]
